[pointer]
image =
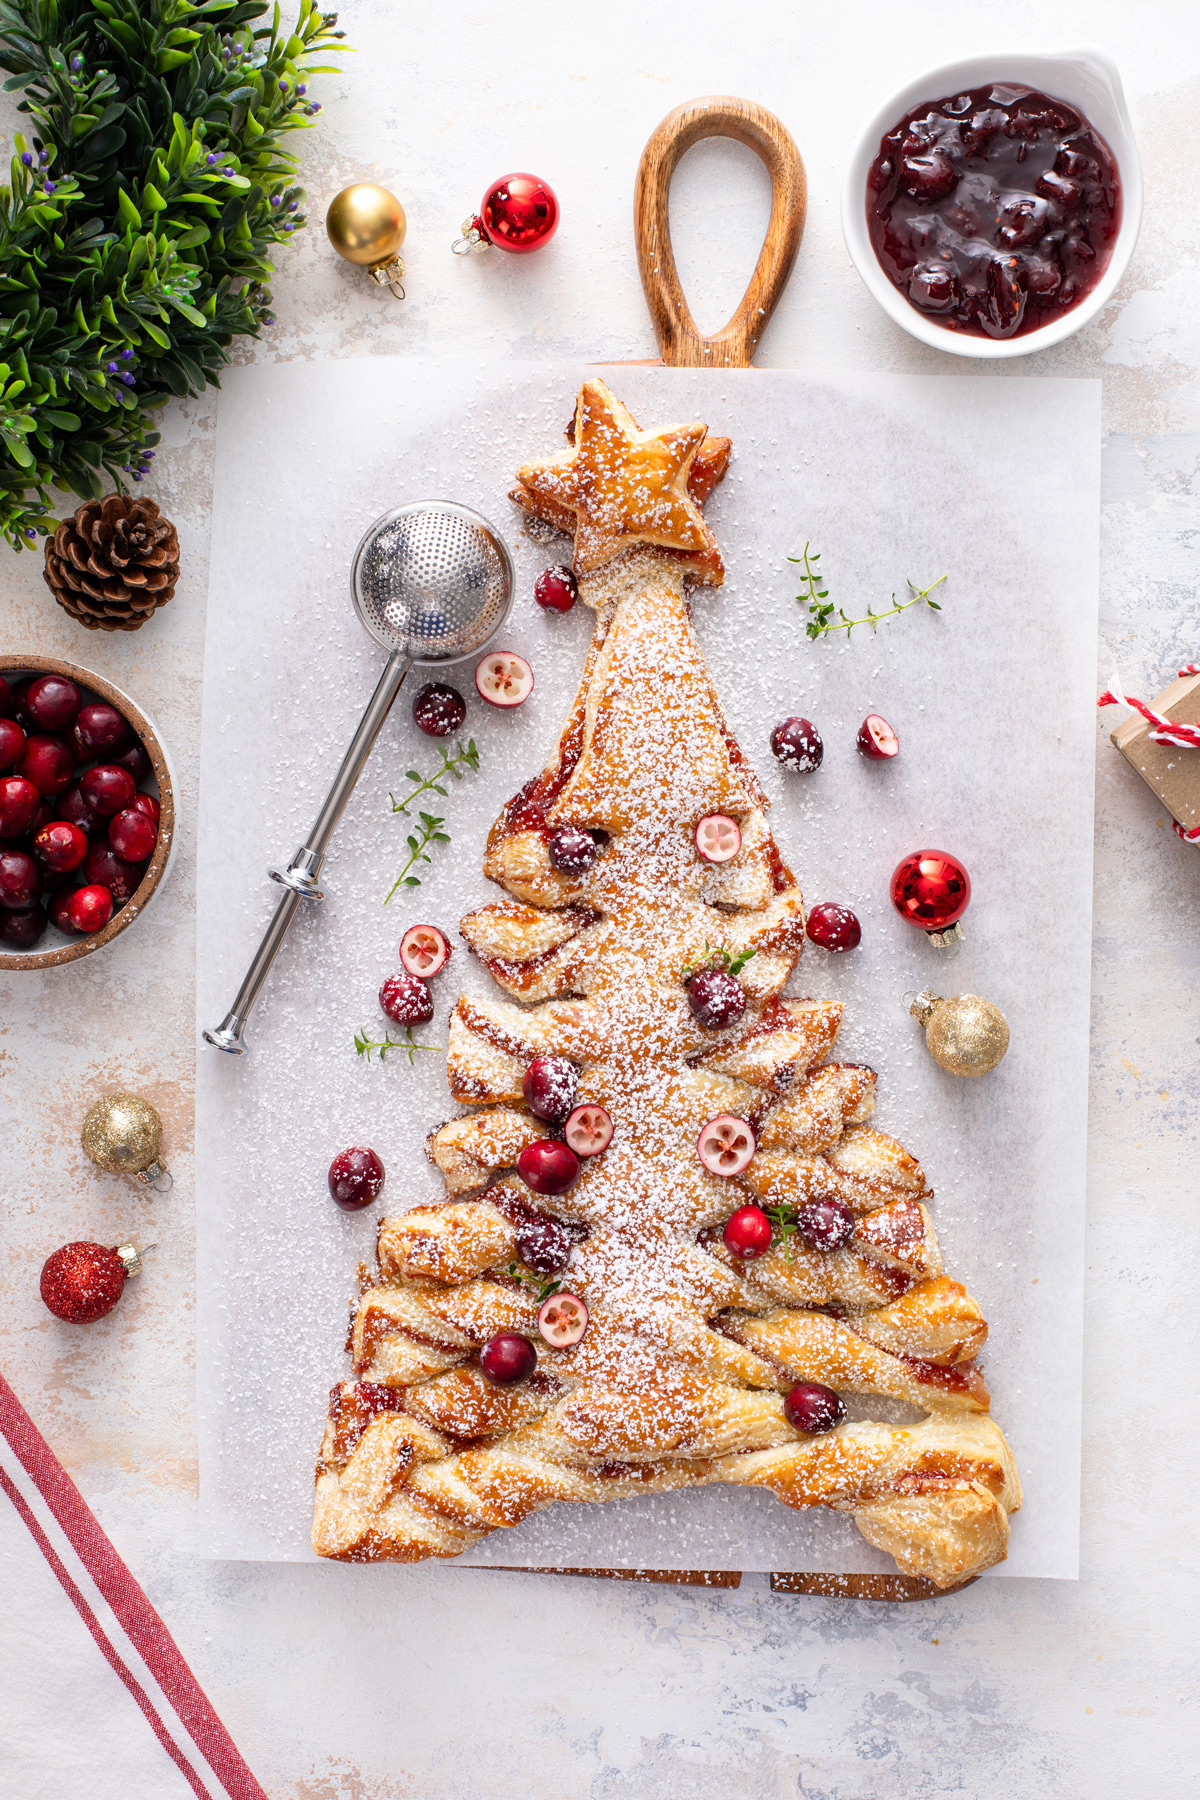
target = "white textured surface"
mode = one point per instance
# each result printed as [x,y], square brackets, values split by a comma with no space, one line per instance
[351,1684]
[884,473]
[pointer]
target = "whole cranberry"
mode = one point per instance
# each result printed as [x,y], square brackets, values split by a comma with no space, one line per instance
[20,712]
[90,908]
[74,808]
[52,702]
[136,760]
[825,1224]
[716,997]
[22,929]
[48,763]
[929,177]
[60,847]
[573,851]
[19,802]
[747,1233]
[57,905]
[834,927]
[796,743]
[104,868]
[100,731]
[8,700]
[132,834]
[545,1245]
[508,1357]
[548,1167]
[107,789]
[549,1086]
[12,743]
[147,804]
[813,1407]
[20,880]
[556,589]
[43,816]
[355,1178]
[406,999]
[438,710]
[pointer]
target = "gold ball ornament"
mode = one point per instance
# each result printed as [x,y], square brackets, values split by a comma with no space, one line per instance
[366,225]
[965,1035]
[122,1134]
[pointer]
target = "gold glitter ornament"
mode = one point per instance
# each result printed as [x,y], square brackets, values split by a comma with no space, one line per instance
[122,1134]
[965,1035]
[366,226]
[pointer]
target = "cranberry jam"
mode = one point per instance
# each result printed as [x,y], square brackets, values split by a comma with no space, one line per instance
[994,211]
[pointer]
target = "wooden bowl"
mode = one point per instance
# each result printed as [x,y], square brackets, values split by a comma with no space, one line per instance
[65,950]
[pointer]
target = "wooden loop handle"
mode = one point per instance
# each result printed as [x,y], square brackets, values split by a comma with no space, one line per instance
[720,115]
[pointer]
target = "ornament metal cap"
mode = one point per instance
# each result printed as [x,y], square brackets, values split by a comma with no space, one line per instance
[965,1035]
[366,226]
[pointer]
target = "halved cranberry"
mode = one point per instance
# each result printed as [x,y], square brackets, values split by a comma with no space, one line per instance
[543,1244]
[132,834]
[716,997]
[726,1145]
[406,999]
[562,1320]
[48,764]
[547,1166]
[825,1224]
[52,702]
[556,589]
[508,1357]
[100,731]
[588,1129]
[107,789]
[424,950]
[22,927]
[20,880]
[12,743]
[355,1178]
[796,743]
[504,679]
[19,802]
[103,867]
[876,739]
[72,806]
[438,710]
[814,1408]
[572,852]
[60,847]
[549,1085]
[718,838]
[90,908]
[834,927]
[747,1233]
[136,760]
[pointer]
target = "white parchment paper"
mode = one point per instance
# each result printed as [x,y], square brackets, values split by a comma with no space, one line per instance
[992,482]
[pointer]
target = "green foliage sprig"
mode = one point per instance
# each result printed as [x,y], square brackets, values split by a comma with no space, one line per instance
[451,766]
[717,959]
[541,1290]
[366,1045]
[822,609]
[418,843]
[137,227]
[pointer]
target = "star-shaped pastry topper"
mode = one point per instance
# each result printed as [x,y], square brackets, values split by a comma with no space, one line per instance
[619,486]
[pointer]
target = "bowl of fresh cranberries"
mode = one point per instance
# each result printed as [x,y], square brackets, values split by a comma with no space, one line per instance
[87,812]
[992,206]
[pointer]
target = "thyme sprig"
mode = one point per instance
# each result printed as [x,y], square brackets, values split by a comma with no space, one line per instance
[452,767]
[366,1045]
[717,959]
[783,1228]
[541,1289]
[822,609]
[418,843]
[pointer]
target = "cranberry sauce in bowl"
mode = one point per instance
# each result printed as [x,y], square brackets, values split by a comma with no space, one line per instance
[995,210]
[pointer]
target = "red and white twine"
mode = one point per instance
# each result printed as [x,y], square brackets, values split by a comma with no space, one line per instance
[1162,731]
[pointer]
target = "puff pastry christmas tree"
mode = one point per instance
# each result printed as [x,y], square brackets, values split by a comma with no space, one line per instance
[651,927]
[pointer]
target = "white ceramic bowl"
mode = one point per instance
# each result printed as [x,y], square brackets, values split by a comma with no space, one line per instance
[1085,79]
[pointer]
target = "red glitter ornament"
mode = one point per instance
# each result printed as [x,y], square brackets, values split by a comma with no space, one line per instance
[82,1282]
[518,213]
[931,890]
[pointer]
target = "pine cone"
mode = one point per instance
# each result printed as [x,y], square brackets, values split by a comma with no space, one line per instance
[114,563]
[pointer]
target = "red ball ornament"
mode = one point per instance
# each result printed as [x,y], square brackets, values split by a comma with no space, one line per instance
[931,889]
[518,213]
[82,1282]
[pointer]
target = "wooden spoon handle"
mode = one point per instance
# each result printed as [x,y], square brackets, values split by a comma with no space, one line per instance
[719,115]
